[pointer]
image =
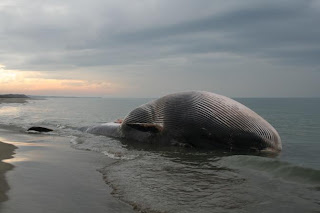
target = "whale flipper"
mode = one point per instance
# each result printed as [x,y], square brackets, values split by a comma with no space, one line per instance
[146,127]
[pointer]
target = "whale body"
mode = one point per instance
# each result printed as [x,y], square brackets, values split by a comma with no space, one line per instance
[198,119]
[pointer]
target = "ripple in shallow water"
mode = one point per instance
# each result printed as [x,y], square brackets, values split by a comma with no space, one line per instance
[203,182]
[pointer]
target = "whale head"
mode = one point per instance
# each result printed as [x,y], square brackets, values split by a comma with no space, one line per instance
[265,140]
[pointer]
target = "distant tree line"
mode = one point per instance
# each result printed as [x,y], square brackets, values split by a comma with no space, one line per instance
[13,96]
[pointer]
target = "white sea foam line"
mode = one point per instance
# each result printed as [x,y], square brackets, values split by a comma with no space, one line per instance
[119,156]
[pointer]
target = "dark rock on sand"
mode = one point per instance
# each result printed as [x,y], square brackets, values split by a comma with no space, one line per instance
[39,129]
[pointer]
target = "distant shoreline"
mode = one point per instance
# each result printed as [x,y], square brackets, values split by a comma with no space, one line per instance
[14,96]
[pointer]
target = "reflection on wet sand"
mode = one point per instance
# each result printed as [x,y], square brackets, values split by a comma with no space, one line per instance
[6,152]
[22,157]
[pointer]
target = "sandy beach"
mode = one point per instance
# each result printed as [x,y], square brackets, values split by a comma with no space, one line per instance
[6,152]
[47,175]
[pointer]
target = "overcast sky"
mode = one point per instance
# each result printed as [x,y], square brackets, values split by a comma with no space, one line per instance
[148,48]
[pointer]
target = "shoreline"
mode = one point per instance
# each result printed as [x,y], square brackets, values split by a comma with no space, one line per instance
[43,173]
[13,100]
[6,152]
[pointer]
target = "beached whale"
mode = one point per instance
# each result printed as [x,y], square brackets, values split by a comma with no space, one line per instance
[197,119]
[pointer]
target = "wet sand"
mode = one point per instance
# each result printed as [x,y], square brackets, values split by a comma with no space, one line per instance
[6,152]
[50,176]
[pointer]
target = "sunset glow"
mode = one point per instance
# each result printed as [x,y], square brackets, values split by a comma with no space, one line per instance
[36,83]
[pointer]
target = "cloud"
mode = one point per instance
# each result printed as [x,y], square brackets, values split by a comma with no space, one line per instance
[276,30]
[187,44]
[65,34]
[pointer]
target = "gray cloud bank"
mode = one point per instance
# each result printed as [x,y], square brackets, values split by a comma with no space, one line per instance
[66,33]
[198,35]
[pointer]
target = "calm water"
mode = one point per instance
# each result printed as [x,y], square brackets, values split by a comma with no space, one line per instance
[171,179]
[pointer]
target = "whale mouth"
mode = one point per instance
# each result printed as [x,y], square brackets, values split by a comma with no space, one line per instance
[274,149]
[273,146]
[269,151]
[110,129]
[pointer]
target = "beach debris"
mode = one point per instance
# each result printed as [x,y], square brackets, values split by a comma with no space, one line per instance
[39,129]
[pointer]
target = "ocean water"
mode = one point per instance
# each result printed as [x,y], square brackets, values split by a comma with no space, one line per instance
[175,179]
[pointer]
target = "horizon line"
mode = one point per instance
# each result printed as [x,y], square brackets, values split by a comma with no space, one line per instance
[125,97]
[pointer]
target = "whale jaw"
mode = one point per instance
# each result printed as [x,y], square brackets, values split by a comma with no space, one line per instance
[107,129]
